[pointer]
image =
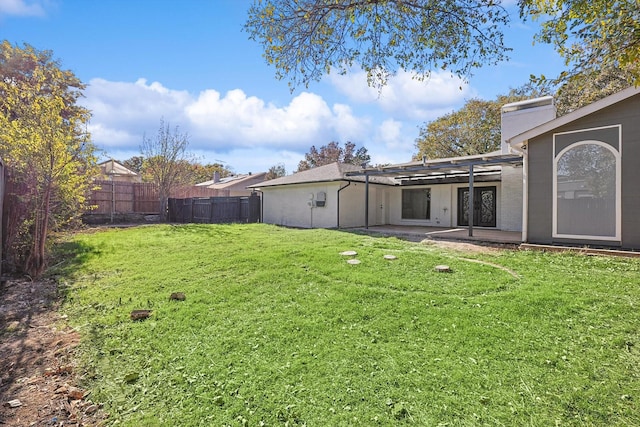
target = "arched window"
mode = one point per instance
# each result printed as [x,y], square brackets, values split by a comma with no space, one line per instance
[587,191]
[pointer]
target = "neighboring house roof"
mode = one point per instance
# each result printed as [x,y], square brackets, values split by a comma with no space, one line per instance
[233,181]
[520,140]
[327,173]
[111,167]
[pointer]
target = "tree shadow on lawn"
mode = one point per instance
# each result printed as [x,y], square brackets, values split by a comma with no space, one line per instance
[69,256]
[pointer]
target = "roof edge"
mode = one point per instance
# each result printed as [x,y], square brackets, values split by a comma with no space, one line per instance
[519,140]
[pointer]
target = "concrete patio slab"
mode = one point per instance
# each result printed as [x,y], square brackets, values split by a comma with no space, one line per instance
[480,235]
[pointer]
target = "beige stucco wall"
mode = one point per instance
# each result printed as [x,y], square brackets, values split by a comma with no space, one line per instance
[292,206]
[444,205]
[511,199]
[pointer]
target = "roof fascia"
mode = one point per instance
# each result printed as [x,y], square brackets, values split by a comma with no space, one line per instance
[519,140]
[435,166]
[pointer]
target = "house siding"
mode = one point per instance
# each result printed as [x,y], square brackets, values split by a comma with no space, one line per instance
[630,115]
[540,189]
[540,172]
[352,199]
[511,199]
[288,205]
[444,205]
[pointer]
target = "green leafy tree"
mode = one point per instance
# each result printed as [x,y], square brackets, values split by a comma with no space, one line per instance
[167,162]
[584,88]
[333,152]
[134,164]
[202,173]
[591,35]
[473,129]
[47,150]
[276,171]
[305,39]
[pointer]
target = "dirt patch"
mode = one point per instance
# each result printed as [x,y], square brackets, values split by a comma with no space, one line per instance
[38,378]
[467,246]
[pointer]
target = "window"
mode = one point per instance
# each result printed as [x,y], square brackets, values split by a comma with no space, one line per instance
[587,191]
[416,204]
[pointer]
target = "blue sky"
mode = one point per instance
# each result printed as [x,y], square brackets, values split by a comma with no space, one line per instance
[190,63]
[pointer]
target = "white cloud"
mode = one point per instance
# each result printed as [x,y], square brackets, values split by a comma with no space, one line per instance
[237,120]
[249,134]
[405,97]
[21,8]
[395,142]
[123,112]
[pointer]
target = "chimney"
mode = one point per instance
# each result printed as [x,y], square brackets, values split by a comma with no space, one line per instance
[519,117]
[216,177]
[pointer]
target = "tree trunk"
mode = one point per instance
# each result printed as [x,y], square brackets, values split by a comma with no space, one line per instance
[36,260]
[163,205]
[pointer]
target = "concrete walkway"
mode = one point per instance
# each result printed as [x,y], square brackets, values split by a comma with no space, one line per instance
[480,235]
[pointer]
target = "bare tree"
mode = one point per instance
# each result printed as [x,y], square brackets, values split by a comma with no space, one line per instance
[167,161]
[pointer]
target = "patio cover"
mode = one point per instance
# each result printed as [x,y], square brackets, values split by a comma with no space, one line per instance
[426,171]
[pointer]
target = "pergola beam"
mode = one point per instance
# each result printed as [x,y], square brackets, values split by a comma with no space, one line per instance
[436,169]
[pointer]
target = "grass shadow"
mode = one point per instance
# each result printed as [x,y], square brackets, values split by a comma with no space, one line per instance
[68,256]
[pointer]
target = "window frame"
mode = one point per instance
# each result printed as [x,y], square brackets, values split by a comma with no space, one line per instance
[427,189]
[618,182]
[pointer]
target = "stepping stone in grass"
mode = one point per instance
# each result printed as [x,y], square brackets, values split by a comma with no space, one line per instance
[177,296]
[442,269]
[349,253]
[390,257]
[140,314]
[353,261]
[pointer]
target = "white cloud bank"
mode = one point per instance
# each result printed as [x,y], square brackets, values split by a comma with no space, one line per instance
[250,134]
[404,96]
[21,8]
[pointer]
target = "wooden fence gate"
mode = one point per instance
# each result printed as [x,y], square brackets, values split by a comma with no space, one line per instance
[215,210]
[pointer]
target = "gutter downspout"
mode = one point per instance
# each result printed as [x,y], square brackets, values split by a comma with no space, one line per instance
[338,204]
[525,191]
[366,202]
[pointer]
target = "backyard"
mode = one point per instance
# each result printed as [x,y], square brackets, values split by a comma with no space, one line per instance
[277,328]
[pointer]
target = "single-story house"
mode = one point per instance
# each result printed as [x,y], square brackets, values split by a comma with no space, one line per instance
[234,185]
[111,170]
[324,197]
[557,180]
[433,193]
[582,175]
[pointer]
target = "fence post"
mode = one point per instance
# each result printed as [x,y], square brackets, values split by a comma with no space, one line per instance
[254,207]
[113,198]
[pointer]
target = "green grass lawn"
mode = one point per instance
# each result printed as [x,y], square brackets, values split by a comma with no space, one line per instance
[277,329]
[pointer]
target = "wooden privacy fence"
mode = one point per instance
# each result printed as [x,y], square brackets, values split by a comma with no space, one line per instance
[124,197]
[119,197]
[215,210]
